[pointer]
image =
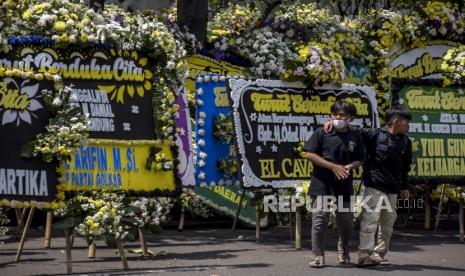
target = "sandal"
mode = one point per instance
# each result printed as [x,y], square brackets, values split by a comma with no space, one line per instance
[317,262]
[367,262]
[343,258]
[381,261]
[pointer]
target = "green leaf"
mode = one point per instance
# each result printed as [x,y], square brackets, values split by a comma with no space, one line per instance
[27,149]
[132,234]
[129,221]
[155,229]
[109,240]
[150,252]
[68,222]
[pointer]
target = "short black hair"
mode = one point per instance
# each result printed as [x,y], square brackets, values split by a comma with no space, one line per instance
[347,107]
[396,111]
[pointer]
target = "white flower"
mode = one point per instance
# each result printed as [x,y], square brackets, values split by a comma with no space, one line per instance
[170,65]
[57,101]
[443,30]
[56,78]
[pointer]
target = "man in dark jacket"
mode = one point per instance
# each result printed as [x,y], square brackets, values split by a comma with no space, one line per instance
[385,175]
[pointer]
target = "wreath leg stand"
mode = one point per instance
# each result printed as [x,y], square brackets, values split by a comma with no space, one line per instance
[298,229]
[291,223]
[427,211]
[257,223]
[69,264]
[91,251]
[181,220]
[438,214]
[71,239]
[143,242]
[21,221]
[18,215]
[48,229]
[238,211]
[122,254]
[25,232]
[461,221]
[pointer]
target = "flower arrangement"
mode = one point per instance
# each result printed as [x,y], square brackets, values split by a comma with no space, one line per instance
[227,165]
[151,211]
[66,131]
[383,30]
[301,189]
[299,149]
[415,144]
[112,215]
[451,193]
[223,128]
[453,66]
[228,27]
[66,22]
[443,20]
[3,221]
[316,63]
[267,51]
[193,204]
[300,21]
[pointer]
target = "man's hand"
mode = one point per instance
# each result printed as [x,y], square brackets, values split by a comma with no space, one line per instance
[340,171]
[349,167]
[328,126]
[404,194]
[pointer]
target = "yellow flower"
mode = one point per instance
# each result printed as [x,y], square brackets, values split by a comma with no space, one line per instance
[39,76]
[84,38]
[64,38]
[27,15]
[59,25]
[94,227]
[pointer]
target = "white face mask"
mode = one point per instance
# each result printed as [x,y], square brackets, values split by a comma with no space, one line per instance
[340,124]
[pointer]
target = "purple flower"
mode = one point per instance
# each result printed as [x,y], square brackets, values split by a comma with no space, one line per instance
[118,18]
[327,67]
[436,23]
[449,26]
[314,57]
[219,55]
[299,71]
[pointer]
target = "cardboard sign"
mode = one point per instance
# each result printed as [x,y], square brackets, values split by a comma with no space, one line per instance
[272,117]
[186,171]
[420,62]
[212,104]
[23,115]
[437,129]
[114,87]
[225,199]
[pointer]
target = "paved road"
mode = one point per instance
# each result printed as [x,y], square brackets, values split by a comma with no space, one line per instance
[220,252]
